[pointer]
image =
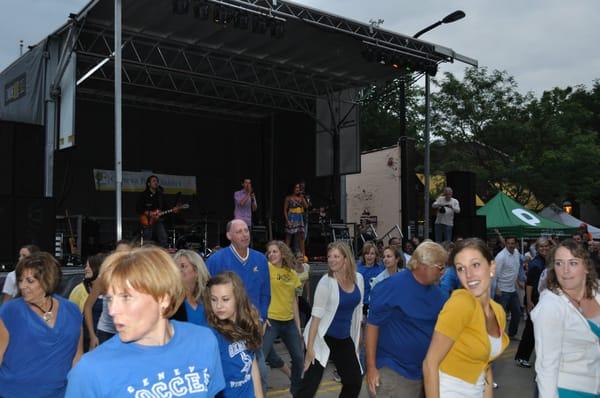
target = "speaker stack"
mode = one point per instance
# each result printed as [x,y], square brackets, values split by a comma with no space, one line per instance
[466,224]
[26,217]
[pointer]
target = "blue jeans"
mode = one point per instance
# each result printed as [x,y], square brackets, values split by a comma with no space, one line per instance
[262,369]
[288,332]
[443,233]
[510,302]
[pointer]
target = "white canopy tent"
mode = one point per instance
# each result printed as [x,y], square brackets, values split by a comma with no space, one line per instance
[555,213]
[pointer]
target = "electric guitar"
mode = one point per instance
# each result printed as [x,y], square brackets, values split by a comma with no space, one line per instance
[72,242]
[151,217]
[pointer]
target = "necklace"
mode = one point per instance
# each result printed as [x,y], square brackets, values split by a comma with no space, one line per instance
[576,302]
[46,315]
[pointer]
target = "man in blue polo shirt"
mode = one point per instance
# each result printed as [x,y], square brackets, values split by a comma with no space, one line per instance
[253,269]
[402,316]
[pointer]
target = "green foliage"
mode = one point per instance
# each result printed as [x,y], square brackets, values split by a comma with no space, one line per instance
[545,149]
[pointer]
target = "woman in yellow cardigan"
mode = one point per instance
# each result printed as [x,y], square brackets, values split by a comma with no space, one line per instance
[469,332]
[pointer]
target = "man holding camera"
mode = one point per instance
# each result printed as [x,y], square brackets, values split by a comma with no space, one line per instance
[444,222]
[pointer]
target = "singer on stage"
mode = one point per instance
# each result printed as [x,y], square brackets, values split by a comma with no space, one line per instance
[245,203]
[149,203]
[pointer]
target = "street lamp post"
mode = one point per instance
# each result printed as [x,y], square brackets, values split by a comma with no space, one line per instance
[455,16]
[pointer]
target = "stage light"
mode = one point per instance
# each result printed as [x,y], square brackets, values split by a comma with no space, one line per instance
[241,20]
[259,24]
[277,29]
[181,7]
[201,10]
[222,16]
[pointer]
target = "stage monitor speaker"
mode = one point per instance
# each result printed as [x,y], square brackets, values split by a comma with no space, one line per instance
[8,253]
[35,222]
[463,188]
[469,227]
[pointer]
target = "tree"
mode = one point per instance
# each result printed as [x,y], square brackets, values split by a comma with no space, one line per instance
[381,112]
[526,147]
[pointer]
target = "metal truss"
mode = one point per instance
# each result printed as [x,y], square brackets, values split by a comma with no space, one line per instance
[373,35]
[150,62]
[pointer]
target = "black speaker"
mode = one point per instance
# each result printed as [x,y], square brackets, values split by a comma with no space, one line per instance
[408,183]
[8,253]
[7,151]
[469,227]
[21,159]
[463,188]
[35,221]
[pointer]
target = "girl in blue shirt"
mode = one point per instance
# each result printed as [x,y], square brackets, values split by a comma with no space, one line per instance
[235,323]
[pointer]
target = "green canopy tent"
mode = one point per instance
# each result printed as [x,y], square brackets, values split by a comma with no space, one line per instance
[512,219]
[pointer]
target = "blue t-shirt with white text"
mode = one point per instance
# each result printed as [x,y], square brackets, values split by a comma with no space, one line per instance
[189,365]
[236,359]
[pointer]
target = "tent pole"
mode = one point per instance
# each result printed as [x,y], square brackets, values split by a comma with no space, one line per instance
[118,121]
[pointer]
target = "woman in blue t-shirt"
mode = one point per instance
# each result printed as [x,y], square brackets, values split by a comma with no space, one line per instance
[334,327]
[151,355]
[195,275]
[40,333]
[235,323]
[369,267]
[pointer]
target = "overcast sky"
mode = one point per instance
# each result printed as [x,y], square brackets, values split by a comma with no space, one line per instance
[542,43]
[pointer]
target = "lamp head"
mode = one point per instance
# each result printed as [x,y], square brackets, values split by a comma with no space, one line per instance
[455,16]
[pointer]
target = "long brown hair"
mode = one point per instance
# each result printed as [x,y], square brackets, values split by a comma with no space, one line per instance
[346,252]
[287,257]
[246,326]
[578,251]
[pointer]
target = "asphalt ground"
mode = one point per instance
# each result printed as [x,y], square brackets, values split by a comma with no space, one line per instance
[513,381]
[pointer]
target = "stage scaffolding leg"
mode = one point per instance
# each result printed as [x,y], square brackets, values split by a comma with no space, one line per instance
[118,122]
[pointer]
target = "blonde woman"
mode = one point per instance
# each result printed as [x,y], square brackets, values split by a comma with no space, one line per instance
[334,327]
[195,276]
[283,316]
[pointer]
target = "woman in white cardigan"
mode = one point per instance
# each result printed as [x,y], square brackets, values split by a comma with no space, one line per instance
[566,324]
[334,327]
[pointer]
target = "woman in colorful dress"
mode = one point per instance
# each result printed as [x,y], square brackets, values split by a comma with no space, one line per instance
[294,207]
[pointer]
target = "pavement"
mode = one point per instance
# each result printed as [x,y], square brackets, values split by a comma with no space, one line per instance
[513,381]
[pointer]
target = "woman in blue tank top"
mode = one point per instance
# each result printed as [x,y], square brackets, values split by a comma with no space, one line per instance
[334,327]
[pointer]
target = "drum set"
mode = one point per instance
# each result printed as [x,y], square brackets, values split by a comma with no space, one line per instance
[190,237]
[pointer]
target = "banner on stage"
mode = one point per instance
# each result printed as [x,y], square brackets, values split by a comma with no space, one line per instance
[135,181]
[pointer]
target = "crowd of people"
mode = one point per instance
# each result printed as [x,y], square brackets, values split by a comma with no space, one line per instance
[423,319]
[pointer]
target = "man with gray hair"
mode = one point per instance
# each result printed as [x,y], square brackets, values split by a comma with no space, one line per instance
[253,270]
[446,207]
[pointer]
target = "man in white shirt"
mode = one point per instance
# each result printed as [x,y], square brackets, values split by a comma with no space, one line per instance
[446,207]
[508,263]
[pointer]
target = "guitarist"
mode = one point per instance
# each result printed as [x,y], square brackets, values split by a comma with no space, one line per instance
[149,202]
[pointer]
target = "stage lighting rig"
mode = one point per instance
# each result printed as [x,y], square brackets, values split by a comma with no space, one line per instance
[201,9]
[277,29]
[181,7]
[241,20]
